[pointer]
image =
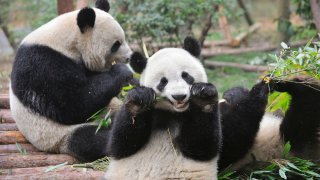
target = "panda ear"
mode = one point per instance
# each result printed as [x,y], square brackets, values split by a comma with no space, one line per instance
[138,62]
[103,5]
[86,18]
[192,46]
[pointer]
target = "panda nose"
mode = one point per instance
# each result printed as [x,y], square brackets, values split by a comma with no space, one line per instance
[179,97]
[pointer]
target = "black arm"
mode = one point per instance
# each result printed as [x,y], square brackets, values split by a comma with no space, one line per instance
[131,128]
[240,124]
[200,131]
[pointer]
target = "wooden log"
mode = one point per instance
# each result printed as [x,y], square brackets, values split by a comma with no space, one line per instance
[67,169]
[90,175]
[8,127]
[12,137]
[245,67]
[22,161]
[4,101]
[12,148]
[215,52]
[5,116]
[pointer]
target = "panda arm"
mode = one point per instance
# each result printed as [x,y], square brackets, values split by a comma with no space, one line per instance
[131,128]
[301,123]
[199,136]
[240,124]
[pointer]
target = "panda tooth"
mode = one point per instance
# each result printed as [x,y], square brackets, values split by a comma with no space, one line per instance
[113,62]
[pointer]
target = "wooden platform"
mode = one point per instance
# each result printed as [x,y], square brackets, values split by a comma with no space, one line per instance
[20,160]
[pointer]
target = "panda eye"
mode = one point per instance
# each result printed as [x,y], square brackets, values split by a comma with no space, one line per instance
[187,77]
[162,84]
[115,46]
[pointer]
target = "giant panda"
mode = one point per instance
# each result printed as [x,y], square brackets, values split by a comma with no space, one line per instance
[141,148]
[62,74]
[267,136]
[175,137]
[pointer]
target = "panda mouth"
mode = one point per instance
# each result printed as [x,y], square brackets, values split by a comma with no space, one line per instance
[180,105]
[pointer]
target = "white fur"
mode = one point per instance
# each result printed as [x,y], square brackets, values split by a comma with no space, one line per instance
[268,143]
[43,133]
[63,34]
[160,160]
[170,63]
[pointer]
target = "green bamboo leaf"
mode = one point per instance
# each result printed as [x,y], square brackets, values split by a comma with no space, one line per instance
[56,167]
[282,174]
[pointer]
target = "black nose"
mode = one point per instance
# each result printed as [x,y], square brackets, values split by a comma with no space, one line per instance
[179,97]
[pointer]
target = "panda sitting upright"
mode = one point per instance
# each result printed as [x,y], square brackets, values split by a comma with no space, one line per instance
[62,74]
[176,137]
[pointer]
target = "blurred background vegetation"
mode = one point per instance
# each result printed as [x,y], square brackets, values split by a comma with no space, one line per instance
[236,31]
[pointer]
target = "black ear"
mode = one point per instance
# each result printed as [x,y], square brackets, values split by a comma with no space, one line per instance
[138,62]
[86,18]
[103,5]
[192,46]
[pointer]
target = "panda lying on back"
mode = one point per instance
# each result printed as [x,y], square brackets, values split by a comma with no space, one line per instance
[62,74]
[179,136]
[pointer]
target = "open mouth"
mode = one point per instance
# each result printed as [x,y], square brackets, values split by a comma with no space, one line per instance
[180,105]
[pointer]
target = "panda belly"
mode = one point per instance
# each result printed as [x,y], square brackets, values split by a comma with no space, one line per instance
[43,133]
[268,143]
[159,160]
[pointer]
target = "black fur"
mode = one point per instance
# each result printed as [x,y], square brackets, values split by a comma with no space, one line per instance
[301,123]
[199,134]
[115,46]
[86,19]
[162,84]
[187,77]
[192,46]
[232,97]
[240,124]
[138,62]
[103,5]
[54,86]
[87,145]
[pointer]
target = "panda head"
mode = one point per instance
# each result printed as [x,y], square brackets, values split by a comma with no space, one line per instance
[171,72]
[101,41]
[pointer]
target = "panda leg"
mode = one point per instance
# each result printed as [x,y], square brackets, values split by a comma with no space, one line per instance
[87,145]
[301,124]
[240,124]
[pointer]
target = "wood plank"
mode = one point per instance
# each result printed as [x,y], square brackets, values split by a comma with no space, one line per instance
[35,170]
[12,137]
[12,148]
[8,127]
[23,161]
[5,116]
[4,101]
[88,175]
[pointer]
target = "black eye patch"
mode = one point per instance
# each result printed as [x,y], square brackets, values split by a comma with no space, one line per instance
[187,77]
[162,84]
[115,46]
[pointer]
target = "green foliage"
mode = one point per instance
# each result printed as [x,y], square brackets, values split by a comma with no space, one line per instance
[102,118]
[163,20]
[99,165]
[304,61]
[21,150]
[287,168]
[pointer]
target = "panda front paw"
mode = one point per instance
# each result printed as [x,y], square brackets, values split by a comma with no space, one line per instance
[139,100]
[204,95]
[122,73]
